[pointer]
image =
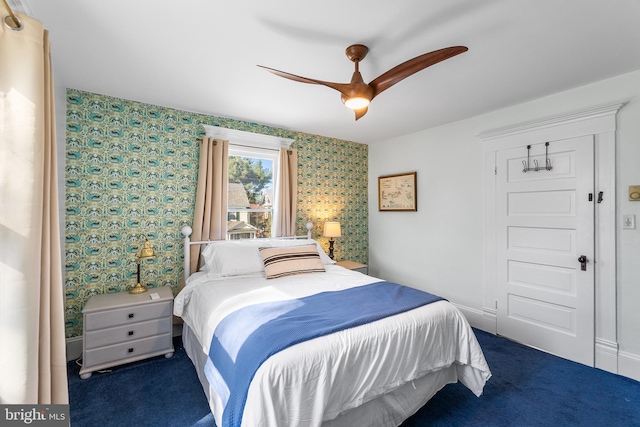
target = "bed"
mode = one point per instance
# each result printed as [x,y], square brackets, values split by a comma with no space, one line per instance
[376,372]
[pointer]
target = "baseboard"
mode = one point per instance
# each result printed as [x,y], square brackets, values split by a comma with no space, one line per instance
[490,320]
[606,353]
[629,365]
[473,316]
[74,345]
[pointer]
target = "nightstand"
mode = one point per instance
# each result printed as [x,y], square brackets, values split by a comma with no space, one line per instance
[122,328]
[355,266]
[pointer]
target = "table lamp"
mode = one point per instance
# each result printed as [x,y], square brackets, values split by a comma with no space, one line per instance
[331,230]
[146,252]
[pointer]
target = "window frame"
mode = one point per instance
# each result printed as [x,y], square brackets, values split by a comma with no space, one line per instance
[240,140]
[263,154]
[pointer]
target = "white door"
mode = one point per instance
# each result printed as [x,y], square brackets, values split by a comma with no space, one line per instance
[545,224]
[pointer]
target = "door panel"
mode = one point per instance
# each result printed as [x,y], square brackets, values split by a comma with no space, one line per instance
[540,314]
[547,203]
[545,277]
[544,222]
[563,165]
[547,240]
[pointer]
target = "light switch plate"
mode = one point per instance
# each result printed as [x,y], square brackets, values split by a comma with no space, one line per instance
[628,222]
[634,193]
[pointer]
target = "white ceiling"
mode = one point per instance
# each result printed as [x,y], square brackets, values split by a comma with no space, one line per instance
[201,55]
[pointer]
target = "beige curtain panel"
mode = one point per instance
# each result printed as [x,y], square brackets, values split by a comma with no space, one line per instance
[210,214]
[287,191]
[32,361]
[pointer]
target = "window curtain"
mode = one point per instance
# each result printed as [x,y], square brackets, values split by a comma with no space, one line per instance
[33,366]
[210,215]
[287,192]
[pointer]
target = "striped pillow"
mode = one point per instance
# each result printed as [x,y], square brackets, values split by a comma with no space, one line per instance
[288,261]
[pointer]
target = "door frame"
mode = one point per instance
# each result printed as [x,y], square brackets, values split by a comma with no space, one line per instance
[601,123]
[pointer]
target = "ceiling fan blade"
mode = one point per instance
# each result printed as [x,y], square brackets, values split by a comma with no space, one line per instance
[290,76]
[340,87]
[361,112]
[412,66]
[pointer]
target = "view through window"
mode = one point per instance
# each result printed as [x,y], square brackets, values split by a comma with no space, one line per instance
[251,192]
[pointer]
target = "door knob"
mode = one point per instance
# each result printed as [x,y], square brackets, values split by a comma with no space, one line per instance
[583,262]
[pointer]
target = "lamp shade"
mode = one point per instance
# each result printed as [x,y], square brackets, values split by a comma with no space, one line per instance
[146,252]
[332,229]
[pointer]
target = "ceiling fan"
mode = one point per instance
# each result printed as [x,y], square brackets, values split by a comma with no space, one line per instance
[357,94]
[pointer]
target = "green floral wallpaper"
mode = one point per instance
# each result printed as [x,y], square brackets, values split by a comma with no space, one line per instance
[131,171]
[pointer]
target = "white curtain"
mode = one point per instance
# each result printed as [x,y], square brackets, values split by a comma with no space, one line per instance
[32,359]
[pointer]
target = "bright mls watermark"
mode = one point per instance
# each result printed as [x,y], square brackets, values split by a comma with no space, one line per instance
[34,415]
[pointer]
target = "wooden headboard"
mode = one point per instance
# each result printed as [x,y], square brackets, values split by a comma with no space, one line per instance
[186,232]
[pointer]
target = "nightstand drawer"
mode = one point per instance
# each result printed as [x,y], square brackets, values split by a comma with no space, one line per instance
[135,331]
[127,350]
[126,316]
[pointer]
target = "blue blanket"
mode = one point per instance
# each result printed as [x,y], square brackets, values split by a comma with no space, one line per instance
[246,338]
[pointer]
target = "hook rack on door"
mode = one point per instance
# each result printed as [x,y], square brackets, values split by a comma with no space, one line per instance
[536,168]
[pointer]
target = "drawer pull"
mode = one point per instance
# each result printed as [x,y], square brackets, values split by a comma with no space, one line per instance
[131,350]
[130,315]
[130,333]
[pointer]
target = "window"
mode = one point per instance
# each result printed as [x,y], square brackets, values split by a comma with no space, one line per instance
[251,200]
[252,175]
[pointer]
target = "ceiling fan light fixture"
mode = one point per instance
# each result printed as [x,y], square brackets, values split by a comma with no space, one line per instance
[357,94]
[356,103]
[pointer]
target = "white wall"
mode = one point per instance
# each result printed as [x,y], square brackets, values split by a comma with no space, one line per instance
[440,247]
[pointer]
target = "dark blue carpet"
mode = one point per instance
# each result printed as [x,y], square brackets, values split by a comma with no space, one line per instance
[154,392]
[533,388]
[528,388]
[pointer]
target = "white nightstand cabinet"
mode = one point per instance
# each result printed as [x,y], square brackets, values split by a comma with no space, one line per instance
[355,266]
[122,328]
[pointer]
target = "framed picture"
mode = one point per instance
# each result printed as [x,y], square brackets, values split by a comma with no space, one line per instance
[397,193]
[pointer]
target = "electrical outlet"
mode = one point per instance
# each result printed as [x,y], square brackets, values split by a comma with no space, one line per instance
[628,222]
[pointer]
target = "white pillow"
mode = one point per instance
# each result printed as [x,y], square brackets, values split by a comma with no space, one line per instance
[240,257]
[239,260]
[278,243]
[233,258]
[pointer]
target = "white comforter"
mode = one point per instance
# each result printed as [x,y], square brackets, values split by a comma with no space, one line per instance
[316,380]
